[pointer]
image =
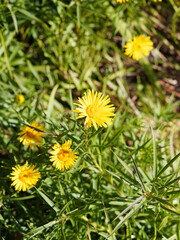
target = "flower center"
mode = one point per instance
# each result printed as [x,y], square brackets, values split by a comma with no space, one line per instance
[138,47]
[91,110]
[23,176]
[30,134]
[63,155]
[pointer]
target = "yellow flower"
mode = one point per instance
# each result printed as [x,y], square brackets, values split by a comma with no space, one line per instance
[139,47]
[32,137]
[24,177]
[157,0]
[20,98]
[96,108]
[62,157]
[122,1]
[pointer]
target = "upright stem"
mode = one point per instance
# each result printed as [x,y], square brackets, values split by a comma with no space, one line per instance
[90,153]
[97,165]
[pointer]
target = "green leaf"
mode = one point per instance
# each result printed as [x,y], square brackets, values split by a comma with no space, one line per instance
[22,198]
[29,15]
[109,224]
[13,17]
[132,180]
[40,229]
[130,206]
[151,75]
[114,137]
[139,176]
[161,200]
[129,215]
[109,129]
[51,101]
[168,164]
[163,223]
[174,20]
[171,182]
[123,179]
[6,55]
[154,155]
[48,201]
[123,163]
[34,72]
[170,210]
[174,192]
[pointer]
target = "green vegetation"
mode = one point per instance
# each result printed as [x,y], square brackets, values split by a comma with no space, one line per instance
[52,52]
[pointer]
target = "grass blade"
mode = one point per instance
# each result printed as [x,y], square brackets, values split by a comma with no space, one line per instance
[170,210]
[33,70]
[168,164]
[128,169]
[154,155]
[123,179]
[137,172]
[171,182]
[114,137]
[6,55]
[13,17]
[22,198]
[161,200]
[51,100]
[29,15]
[129,207]
[42,228]
[130,214]
[174,19]
[48,201]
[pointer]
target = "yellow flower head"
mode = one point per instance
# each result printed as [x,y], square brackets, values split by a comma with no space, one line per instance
[139,47]
[62,157]
[122,1]
[32,137]
[24,177]
[157,0]
[20,98]
[96,108]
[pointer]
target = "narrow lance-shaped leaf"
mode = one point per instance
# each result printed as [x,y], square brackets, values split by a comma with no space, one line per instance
[170,210]
[123,179]
[128,169]
[129,215]
[41,228]
[13,17]
[168,164]
[174,20]
[171,182]
[51,100]
[161,200]
[130,206]
[109,224]
[154,155]
[48,201]
[139,176]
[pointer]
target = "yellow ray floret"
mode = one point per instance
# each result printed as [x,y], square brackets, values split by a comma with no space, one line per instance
[62,156]
[122,1]
[32,135]
[95,108]
[24,177]
[139,47]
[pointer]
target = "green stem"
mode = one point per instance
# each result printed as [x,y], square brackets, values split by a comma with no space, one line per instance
[97,165]
[90,153]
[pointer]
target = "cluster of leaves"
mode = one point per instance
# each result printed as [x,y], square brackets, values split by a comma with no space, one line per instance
[50,51]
